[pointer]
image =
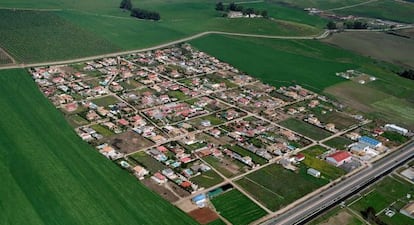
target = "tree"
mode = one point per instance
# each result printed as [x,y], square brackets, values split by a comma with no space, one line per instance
[407,74]
[232,6]
[248,11]
[264,14]
[126,4]
[220,6]
[331,25]
[145,14]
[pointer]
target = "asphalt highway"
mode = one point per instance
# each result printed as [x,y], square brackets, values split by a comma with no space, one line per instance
[300,213]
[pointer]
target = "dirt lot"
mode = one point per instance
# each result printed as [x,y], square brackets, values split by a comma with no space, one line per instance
[341,218]
[204,215]
[178,190]
[129,142]
[383,46]
[161,190]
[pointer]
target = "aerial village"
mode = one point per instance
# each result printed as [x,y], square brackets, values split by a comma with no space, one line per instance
[189,126]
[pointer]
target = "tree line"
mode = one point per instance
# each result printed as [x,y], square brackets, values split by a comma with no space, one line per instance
[139,13]
[239,8]
[409,74]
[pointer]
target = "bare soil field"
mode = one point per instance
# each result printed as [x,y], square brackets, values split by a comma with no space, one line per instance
[342,217]
[378,45]
[204,215]
[161,190]
[129,142]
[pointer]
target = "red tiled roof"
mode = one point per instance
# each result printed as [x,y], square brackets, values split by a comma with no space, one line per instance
[340,155]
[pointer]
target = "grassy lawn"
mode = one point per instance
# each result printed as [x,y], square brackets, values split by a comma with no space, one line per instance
[244,152]
[276,187]
[148,162]
[327,170]
[305,129]
[178,95]
[102,130]
[212,118]
[195,146]
[31,36]
[76,120]
[384,193]
[106,101]
[315,151]
[207,179]
[237,208]
[50,176]
[395,137]
[338,142]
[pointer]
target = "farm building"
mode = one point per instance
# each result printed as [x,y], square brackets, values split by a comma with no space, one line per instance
[408,173]
[408,210]
[371,142]
[338,158]
[313,172]
[393,127]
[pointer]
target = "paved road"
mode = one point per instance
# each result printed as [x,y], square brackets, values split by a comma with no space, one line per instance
[331,196]
[320,36]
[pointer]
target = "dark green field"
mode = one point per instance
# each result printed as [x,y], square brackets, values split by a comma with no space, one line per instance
[281,62]
[73,29]
[237,208]
[384,9]
[49,176]
[338,142]
[305,129]
[31,36]
[276,187]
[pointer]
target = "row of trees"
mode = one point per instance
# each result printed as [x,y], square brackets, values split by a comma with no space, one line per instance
[407,74]
[145,14]
[239,8]
[139,13]
[357,24]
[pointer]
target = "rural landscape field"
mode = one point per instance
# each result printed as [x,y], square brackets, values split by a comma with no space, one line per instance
[207,112]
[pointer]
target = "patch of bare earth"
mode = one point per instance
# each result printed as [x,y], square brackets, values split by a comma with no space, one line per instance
[204,215]
[341,218]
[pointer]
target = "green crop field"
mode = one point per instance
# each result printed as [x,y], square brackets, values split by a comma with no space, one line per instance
[382,194]
[237,208]
[74,29]
[283,12]
[320,4]
[281,62]
[50,176]
[384,9]
[276,187]
[31,36]
[305,129]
